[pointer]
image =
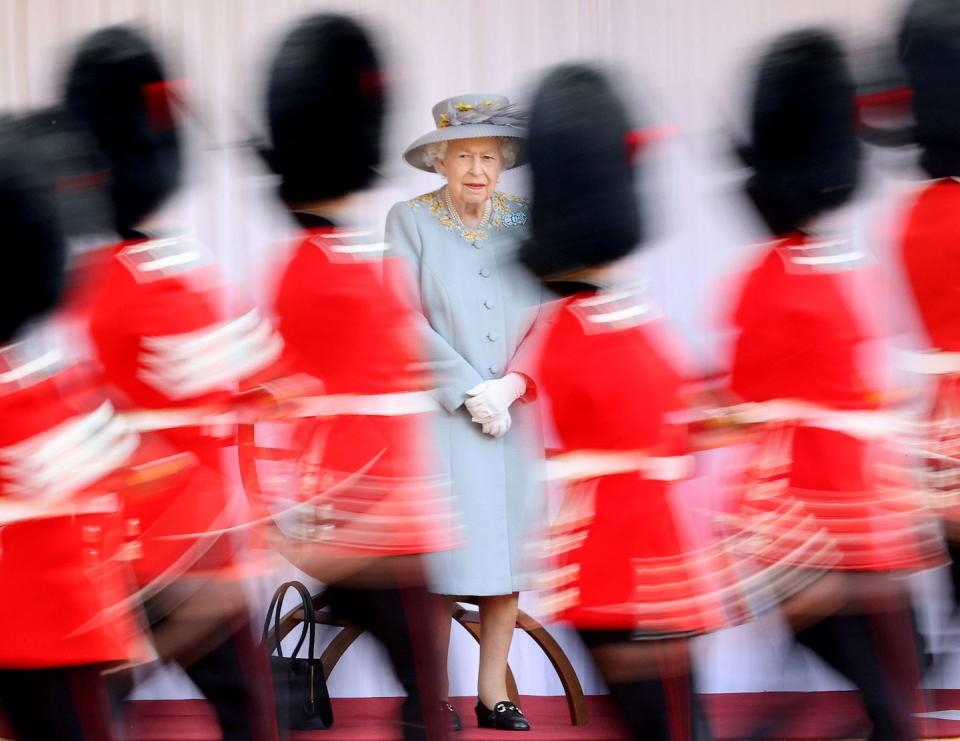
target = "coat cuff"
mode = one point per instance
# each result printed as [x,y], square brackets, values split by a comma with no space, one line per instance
[453,393]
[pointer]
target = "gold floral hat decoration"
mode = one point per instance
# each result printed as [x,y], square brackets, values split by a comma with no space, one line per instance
[470,117]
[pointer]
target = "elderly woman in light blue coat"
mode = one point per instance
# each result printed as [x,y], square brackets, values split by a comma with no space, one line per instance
[480,307]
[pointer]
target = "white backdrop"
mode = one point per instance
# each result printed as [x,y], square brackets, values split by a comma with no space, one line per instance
[685,58]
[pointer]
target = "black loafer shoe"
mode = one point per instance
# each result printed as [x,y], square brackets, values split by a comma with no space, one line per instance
[505,716]
[451,714]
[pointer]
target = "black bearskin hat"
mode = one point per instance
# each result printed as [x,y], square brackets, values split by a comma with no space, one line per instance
[325,110]
[32,277]
[74,171]
[584,209]
[117,85]
[804,152]
[930,52]
[884,118]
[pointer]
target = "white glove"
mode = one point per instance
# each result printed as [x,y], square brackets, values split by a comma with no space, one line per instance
[492,399]
[498,426]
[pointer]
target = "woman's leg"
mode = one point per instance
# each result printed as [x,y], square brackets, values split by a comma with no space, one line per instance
[498,620]
[443,626]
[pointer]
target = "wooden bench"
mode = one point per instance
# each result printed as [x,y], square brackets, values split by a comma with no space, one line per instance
[469,619]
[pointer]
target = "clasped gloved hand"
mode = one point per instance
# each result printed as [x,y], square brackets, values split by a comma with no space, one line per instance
[489,402]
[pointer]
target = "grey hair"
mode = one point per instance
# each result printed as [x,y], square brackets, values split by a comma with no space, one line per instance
[509,149]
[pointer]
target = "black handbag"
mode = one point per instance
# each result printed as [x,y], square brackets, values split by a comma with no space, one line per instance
[303,702]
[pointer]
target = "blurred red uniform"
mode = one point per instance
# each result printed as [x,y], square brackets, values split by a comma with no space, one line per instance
[174,362]
[931,260]
[820,496]
[620,561]
[65,461]
[931,257]
[366,465]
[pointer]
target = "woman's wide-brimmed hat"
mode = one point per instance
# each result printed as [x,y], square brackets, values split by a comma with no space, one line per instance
[470,117]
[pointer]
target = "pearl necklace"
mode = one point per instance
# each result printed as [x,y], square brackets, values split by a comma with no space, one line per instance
[455,215]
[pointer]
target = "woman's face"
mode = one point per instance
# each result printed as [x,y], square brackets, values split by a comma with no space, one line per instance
[472,167]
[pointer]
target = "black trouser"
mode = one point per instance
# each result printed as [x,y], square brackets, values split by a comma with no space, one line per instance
[953,550]
[399,618]
[663,708]
[63,704]
[232,674]
[877,653]
[865,650]
[232,678]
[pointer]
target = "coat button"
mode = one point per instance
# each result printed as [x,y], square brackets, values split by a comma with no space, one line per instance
[485,273]
[494,369]
[492,336]
[489,304]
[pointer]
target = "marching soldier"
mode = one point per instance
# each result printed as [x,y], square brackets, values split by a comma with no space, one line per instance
[343,310]
[831,522]
[174,363]
[65,460]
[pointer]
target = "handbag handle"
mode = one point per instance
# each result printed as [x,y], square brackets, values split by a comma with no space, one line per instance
[273,604]
[309,622]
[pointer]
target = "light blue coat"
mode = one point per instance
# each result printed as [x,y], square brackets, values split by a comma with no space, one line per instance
[480,306]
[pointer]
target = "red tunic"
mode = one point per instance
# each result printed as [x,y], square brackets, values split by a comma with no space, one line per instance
[366,467]
[164,346]
[620,561]
[931,260]
[818,498]
[64,458]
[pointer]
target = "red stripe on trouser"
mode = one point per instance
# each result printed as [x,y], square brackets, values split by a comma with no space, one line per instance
[675,677]
[91,703]
[893,637]
[258,683]
[422,610]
